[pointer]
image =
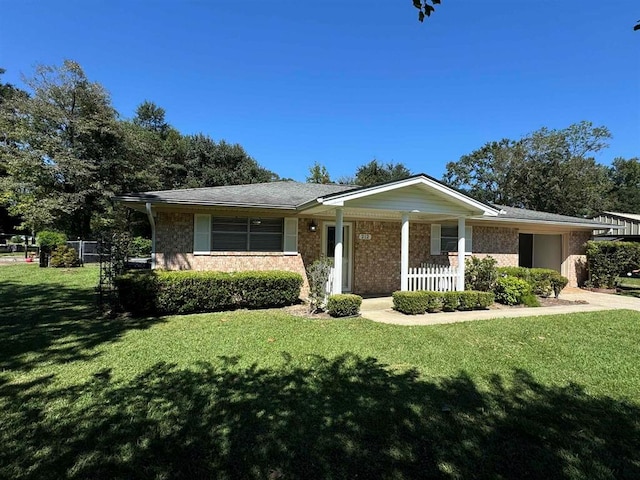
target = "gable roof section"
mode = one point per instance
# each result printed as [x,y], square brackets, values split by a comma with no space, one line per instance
[627,216]
[421,181]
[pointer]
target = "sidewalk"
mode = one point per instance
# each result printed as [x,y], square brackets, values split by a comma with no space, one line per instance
[380,309]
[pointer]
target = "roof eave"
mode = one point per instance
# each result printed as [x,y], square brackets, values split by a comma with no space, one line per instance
[591,226]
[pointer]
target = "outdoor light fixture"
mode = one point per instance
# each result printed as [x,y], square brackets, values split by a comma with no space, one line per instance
[313,226]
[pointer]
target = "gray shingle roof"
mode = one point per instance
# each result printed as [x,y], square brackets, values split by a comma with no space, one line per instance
[284,195]
[289,194]
[513,213]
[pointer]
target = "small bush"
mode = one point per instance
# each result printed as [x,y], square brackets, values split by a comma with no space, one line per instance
[511,290]
[485,299]
[410,303]
[450,301]
[184,292]
[480,274]
[344,305]
[64,256]
[530,300]
[50,239]
[435,302]
[558,282]
[139,247]
[468,300]
[543,281]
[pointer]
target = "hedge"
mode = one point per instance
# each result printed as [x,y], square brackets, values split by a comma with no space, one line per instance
[415,303]
[543,281]
[608,260]
[184,292]
[344,305]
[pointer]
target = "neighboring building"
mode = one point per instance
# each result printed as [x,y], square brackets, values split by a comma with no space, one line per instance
[622,226]
[374,234]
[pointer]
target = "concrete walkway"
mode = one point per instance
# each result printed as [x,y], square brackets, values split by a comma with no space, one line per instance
[380,309]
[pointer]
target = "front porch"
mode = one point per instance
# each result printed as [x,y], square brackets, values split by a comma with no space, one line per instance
[396,236]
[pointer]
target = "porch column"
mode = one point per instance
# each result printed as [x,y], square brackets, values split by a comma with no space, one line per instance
[337,254]
[461,248]
[404,253]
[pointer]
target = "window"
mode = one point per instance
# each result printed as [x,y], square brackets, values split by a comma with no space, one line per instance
[444,239]
[244,234]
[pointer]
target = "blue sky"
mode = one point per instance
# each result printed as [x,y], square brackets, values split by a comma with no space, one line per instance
[342,82]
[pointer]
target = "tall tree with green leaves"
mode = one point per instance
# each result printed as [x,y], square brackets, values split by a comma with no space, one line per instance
[209,163]
[318,174]
[548,170]
[625,177]
[66,140]
[376,172]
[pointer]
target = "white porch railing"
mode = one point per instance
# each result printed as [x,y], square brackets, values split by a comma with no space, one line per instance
[435,278]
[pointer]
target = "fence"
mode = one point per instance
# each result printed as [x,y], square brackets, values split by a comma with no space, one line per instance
[435,278]
[87,250]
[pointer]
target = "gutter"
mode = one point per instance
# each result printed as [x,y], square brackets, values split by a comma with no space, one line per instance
[153,235]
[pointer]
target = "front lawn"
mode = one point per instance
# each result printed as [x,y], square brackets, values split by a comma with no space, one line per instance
[628,286]
[262,394]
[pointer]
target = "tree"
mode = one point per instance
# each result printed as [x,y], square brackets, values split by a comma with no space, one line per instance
[210,164]
[625,177]
[376,172]
[151,117]
[67,147]
[548,170]
[318,174]
[8,92]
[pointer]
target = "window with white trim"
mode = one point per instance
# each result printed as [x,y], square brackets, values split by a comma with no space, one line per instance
[244,234]
[444,238]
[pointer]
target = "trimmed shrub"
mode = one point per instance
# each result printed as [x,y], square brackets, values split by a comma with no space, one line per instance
[435,302]
[485,299]
[267,288]
[468,300]
[410,303]
[480,274]
[511,290]
[64,256]
[184,292]
[558,282]
[344,305]
[608,260]
[450,301]
[415,303]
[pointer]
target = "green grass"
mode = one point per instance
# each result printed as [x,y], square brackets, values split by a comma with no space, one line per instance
[262,394]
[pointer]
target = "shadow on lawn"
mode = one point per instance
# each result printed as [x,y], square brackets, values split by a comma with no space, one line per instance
[342,418]
[53,323]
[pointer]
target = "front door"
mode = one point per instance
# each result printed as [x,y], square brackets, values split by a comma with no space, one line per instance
[328,249]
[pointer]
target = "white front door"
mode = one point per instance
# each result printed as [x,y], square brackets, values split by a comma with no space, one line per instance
[328,249]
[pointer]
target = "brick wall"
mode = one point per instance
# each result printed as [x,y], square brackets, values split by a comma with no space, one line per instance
[576,260]
[174,251]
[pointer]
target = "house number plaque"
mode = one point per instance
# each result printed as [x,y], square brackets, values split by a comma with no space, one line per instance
[364,236]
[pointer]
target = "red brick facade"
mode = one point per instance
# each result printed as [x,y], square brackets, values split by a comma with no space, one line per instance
[376,251]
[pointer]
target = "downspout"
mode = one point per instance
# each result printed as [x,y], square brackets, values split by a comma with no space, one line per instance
[153,235]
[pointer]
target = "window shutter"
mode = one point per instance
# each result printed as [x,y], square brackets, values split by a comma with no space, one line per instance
[435,239]
[468,239]
[290,235]
[201,233]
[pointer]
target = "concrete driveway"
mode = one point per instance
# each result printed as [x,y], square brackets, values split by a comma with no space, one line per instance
[380,309]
